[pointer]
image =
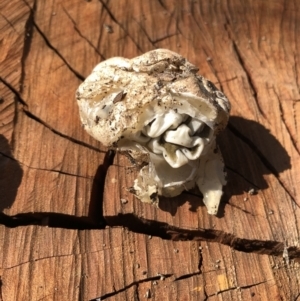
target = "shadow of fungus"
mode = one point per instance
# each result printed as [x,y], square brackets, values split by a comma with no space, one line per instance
[249,151]
[10,175]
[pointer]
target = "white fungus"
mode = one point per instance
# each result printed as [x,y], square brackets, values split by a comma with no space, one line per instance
[165,116]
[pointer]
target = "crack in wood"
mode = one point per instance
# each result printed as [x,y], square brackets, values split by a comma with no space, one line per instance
[165,231]
[1,285]
[41,259]
[149,227]
[243,210]
[28,34]
[145,33]
[52,220]
[200,263]
[120,25]
[94,220]
[295,69]
[55,171]
[81,35]
[249,78]
[238,288]
[294,143]
[185,276]
[14,91]
[164,38]
[44,169]
[76,141]
[242,176]
[204,289]
[162,4]
[135,283]
[293,140]
[47,42]
[244,67]
[227,80]
[297,297]
[10,24]
[37,119]
[136,293]
[76,73]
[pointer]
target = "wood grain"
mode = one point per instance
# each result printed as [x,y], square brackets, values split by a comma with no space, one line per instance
[65,234]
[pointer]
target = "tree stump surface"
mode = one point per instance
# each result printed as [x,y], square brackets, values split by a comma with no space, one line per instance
[71,230]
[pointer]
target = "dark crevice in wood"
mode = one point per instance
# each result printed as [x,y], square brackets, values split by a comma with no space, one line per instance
[50,219]
[204,289]
[153,42]
[40,259]
[200,263]
[182,277]
[249,77]
[165,231]
[293,140]
[37,119]
[94,220]
[178,30]
[9,157]
[120,25]
[295,69]
[228,80]
[243,65]
[76,73]
[238,288]
[28,34]
[81,35]
[243,210]
[149,227]
[136,293]
[162,4]
[81,283]
[44,169]
[17,94]
[288,192]
[8,22]
[1,284]
[164,38]
[297,297]
[61,172]
[145,33]
[242,176]
[135,283]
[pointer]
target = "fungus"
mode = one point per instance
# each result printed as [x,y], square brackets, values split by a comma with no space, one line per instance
[165,116]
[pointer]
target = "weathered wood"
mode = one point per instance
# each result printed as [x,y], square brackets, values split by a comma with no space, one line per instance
[59,187]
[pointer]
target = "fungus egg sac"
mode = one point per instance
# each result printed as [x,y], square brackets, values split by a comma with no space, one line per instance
[165,116]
